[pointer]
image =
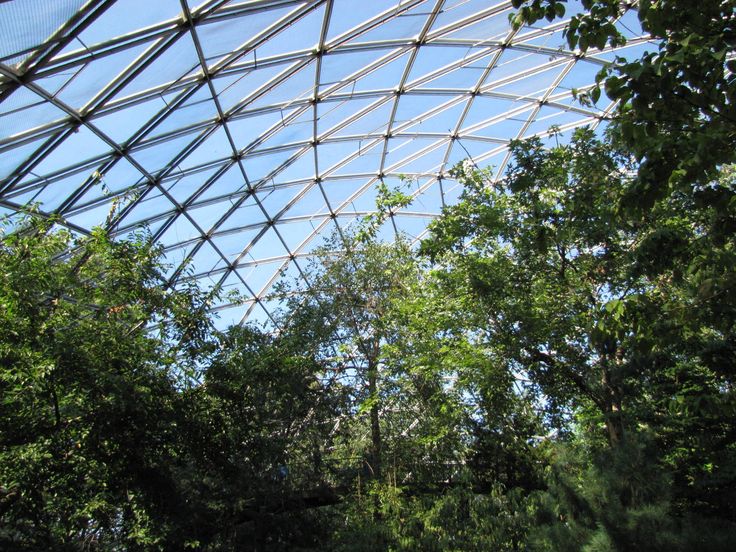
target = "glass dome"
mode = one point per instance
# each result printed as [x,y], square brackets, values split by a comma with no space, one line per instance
[241,133]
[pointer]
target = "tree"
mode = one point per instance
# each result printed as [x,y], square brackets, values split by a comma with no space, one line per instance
[608,319]
[351,310]
[92,353]
[676,109]
[257,429]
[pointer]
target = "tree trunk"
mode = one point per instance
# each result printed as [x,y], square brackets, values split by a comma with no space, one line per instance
[375,453]
[611,407]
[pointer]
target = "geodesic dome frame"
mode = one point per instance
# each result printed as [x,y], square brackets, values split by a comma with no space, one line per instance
[241,132]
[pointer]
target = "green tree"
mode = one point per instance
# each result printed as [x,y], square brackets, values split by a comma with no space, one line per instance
[676,109]
[92,353]
[612,323]
[257,430]
[351,310]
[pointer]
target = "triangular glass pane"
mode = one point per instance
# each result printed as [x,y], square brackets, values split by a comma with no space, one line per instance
[511,63]
[208,215]
[176,257]
[358,13]
[231,245]
[299,85]
[403,26]
[247,130]
[427,163]
[81,145]
[247,214]
[433,59]
[95,76]
[153,205]
[494,28]
[230,316]
[365,202]
[11,159]
[443,122]
[230,183]
[429,200]
[122,124]
[215,148]
[182,188]
[90,217]
[486,108]
[170,66]
[503,129]
[197,110]
[549,116]
[331,153]
[275,200]
[532,86]
[463,79]
[367,162]
[295,233]
[299,36]
[22,34]
[375,122]
[339,190]
[400,149]
[232,284]
[181,230]
[413,109]
[52,195]
[298,130]
[231,92]
[301,169]
[456,10]
[260,166]
[20,97]
[220,38]
[268,246]
[309,204]
[155,156]
[36,115]
[411,226]
[331,113]
[125,16]
[386,77]
[338,66]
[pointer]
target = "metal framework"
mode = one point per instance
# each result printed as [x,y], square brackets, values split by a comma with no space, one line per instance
[241,133]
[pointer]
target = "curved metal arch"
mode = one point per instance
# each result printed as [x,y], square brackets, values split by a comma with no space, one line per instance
[298,157]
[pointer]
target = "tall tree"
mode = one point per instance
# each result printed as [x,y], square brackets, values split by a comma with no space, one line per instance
[92,352]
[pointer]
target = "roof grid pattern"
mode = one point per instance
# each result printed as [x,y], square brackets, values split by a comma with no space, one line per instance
[241,132]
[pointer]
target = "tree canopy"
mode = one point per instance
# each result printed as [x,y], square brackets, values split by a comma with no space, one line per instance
[550,368]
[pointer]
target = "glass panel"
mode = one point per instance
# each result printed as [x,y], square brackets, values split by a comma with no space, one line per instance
[79,146]
[95,76]
[303,35]
[494,28]
[21,120]
[247,214]
[215,147]
[11,159]
[170,66]
[27,23]
[330,154]
[358,13]
[225,37]
[183,188]
[403,26]
[301,169]
[126,16]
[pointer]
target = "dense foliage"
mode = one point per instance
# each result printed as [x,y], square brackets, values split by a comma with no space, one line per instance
[551,369]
